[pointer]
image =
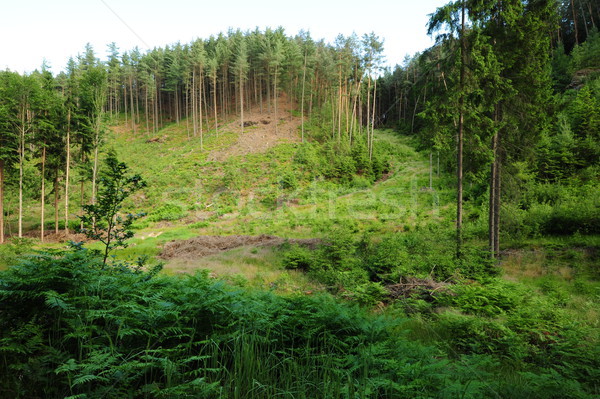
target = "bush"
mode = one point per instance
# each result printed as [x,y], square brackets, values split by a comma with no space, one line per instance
[288,181]
[298,258]
[490,300]
[168,211]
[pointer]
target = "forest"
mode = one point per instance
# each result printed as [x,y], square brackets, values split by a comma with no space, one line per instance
[258,215]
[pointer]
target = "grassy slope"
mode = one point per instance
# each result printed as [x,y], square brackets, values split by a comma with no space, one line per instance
[242,195]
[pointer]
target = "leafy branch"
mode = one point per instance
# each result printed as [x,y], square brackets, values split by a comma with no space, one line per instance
[103,220]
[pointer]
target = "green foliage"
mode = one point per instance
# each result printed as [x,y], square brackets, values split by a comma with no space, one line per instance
[490,300]
[167,211]
[587,55]
[72,328]
[554,209]
[298,258]
[102,220]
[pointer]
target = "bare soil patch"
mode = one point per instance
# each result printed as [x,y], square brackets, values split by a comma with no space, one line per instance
[201,246]
[262,130]
[51,237]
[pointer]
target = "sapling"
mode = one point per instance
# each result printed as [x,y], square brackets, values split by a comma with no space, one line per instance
[103,220]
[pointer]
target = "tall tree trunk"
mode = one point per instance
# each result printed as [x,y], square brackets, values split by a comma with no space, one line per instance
[430,170]
[585,25]
[205,102]
[575,21]
[146,111]
[339,127]
[56,202]
[459,139]
[368,114]
[492,203]
[194,118]
[82,191]
[241,102]
[67,170]
[302,100]
[275,99]
[497,195]
[43,192]
[125,102]
[187,110]
[21,162]
[215,101]
[200,110]
[373,120]
[95,165]
[1,201]
[412,122]
[132,107]
[177,104]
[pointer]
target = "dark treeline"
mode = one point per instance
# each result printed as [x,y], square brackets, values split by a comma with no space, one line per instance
[509,98]
[52,127]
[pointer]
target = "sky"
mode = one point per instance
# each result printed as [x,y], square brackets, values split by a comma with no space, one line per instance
[32,31]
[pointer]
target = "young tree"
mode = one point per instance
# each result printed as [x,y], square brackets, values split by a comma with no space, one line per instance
[103,220]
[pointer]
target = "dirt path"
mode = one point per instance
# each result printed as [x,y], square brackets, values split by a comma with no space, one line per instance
[201,246]
[262,130]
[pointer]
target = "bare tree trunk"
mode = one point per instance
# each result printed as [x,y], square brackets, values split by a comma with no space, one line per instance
[591,14]
[194,118]
[241,103]
[21,162]
[67,170]
[497,196]
[187,110]
[492,203]
[82,190]
[575,22]
[339,129]
[368,115]
[200,110]
[43,191]
[95,172]
[459,139]
[302,100]
[373,120]
[205,102]
[430,170]
[146,111]
[412,122]
[215,102]
[56,202]
[125,102]
[132,108]
[587,32]
[275,98]
[1,201]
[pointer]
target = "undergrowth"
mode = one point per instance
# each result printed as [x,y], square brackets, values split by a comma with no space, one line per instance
[74,328]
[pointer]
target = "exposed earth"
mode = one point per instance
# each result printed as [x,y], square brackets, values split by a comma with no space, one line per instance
[201,246]
[262,130]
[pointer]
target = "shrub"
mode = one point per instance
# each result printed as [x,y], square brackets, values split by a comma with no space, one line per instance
[167,211]
[490,300]
[288,181]
[298,257]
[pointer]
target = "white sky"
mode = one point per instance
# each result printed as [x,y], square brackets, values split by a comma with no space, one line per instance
[34,30]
